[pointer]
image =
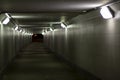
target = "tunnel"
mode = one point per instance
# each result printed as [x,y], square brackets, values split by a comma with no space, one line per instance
[59,39]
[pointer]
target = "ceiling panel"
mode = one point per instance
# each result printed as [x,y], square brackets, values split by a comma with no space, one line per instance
[49,5]
[36,15]
[41,18]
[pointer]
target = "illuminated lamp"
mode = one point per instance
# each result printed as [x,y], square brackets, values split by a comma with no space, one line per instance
[106,12]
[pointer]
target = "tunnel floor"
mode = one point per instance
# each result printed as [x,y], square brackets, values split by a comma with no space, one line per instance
[35,62]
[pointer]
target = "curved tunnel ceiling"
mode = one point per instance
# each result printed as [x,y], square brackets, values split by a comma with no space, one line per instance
[36,15]
[49,5]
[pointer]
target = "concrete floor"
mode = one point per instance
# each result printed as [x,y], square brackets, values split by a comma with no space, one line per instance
[37,63]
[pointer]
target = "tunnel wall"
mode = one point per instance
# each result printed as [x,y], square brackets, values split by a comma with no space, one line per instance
[90,42]
[11,42]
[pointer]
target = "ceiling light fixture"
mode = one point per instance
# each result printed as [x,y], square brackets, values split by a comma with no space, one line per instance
[16,28]
[106,12]
[21,30]
[51,29]
[63,25]
[6,20]
[43,33]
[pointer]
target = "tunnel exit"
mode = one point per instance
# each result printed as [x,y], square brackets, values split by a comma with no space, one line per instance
[37,38]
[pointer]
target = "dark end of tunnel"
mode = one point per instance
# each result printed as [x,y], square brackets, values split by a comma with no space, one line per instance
[37,38]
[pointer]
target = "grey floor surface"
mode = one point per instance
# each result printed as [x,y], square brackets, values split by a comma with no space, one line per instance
[37,63]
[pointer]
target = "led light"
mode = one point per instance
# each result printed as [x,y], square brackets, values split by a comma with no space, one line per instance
[63,25]
[43,33]
[20,30]
[51,29]
[6,21]
[106,13]
[16,28]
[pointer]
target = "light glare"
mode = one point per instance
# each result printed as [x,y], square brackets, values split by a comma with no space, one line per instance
[105,12]
[16,28]
[6,21]
[43,33]
[63,25]
[51,29]
[20,30]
